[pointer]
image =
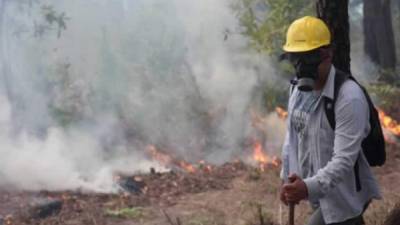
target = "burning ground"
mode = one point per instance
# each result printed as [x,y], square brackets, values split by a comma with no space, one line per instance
[146,198]
[144,112]
[153,196]
[230,194]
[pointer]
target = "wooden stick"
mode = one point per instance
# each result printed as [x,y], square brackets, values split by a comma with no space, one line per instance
[291,213]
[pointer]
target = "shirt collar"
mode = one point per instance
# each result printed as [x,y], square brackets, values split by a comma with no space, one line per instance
[329,86]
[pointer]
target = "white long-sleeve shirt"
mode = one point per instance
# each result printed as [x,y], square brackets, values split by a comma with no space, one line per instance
[333,153]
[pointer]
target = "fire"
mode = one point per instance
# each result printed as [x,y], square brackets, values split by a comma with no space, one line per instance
[259,154]
[283,114]
[169,161]
[205,167]
[389,123]
[159,156]
[187,167]
[262,158]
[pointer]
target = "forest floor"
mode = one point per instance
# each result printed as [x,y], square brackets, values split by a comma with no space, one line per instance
[232,194]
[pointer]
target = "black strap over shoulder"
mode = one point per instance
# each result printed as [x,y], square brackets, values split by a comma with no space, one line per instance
[329,104]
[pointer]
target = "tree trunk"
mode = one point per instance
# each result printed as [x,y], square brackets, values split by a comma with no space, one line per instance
[398,5]
[5,71]
[335,14]
[3,64]
[379,42]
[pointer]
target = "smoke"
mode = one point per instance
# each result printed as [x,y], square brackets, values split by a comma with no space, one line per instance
[361,65]
[82,103]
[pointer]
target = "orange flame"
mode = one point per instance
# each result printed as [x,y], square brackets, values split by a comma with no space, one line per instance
[187,167]
[283,114]
[161,157]
[262,158]
[167,160]
[258,154]
[389,123]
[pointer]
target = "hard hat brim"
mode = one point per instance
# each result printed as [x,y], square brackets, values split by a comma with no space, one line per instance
[302,48]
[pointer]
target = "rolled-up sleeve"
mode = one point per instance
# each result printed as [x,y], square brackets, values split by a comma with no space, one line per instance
[352,116]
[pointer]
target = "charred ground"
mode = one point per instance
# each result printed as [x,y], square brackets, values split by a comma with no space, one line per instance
[233,193]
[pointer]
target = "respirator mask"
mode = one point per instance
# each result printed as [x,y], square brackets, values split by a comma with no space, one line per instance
[306,66]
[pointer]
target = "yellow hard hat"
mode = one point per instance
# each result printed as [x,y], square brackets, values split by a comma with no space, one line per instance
[306,34]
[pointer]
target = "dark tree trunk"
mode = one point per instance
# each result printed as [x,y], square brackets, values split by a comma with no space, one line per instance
[335,14]
[379,42]
[398,4]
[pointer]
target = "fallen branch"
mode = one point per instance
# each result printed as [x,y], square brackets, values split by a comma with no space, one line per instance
[261,217]
[170,221]
[168,217]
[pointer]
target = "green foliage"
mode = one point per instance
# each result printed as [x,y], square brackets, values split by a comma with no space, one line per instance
[275,96]
[257,213]
[265,22]
[51,20]
[202,221]
[205,216]
[62,117]
[53,17]
[389,76]
[386,94]
[127,213]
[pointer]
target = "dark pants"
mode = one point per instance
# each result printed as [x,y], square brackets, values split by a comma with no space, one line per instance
[316,219]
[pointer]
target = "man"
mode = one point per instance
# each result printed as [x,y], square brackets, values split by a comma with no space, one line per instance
[318,161]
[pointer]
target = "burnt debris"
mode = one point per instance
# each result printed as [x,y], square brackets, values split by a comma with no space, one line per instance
[131,185]
[44,208]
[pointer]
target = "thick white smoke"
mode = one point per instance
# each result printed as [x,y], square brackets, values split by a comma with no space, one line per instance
[79,104]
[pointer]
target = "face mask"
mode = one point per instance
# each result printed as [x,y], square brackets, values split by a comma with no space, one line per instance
[306,70]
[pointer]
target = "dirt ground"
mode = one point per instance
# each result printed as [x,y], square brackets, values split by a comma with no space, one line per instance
[233,194]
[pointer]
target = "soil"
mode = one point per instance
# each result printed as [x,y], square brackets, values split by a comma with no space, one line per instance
[231,194]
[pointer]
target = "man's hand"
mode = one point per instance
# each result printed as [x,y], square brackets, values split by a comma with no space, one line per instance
[295,191]
[282,195]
